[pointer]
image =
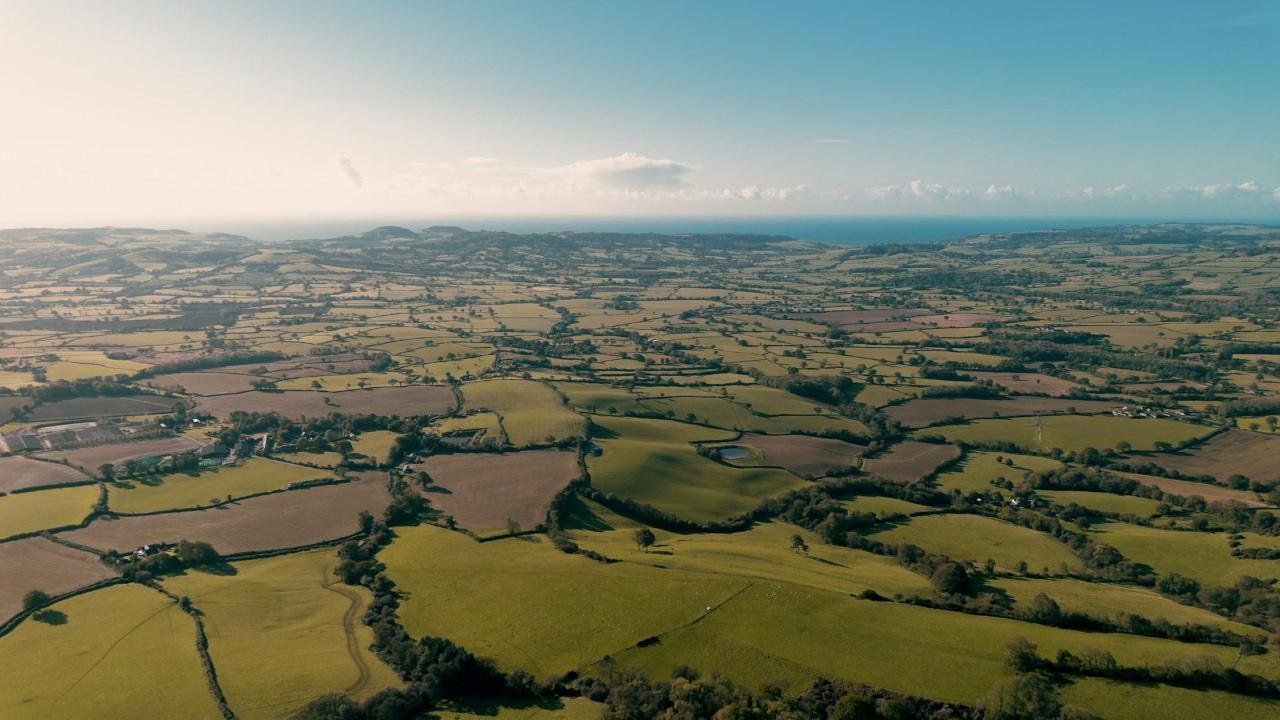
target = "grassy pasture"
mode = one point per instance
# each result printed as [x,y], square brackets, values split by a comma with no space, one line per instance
[927,411]
[1233,452]
[1203,556]
[1111,600]
[1126,701]
[120,649]
[531,411]
[333,383]
[883,506]
[765,635]
[763,552]
[801,454]
[1073,433]
[283,630]
[977,538]
[1103,502]
[978,468]
[43,509]
[522,602]
[182,490]
[375,444]
[654,462]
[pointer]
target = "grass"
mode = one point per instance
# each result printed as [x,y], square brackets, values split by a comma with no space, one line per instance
[1104,502]
[45,509]
[977,538]
[531,607]
[344,382]
[978,468]
[1072,433]
[883,506]
[766,635]
[182,490]
[1125,701]
[282,631]
[653,462]
[531,411]
[1110,600]
[120,650]
[376,444]
[763,552]
[1203,556]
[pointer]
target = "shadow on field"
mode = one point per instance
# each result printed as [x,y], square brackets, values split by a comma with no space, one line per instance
[50,617]
[492,707]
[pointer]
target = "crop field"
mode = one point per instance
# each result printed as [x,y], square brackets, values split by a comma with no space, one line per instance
[922,412]
[37,563]
[532,412]
[280,520]
[486,491]
[775,391]
[45,509]
[976,538]
[1203,556]
[404,401]
[89,408]
[178,491]
[1073,433]
[910,461]
[1235,452]
[280,629]
[1187,488]
[803,455]
[89,459]
[654,462]
[115,650]
[20,473]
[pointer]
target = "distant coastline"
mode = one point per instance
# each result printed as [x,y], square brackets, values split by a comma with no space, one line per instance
[859,230]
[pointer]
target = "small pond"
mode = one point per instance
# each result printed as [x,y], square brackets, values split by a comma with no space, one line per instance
[733,452]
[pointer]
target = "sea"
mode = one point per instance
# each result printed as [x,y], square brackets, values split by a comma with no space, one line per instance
[856,230]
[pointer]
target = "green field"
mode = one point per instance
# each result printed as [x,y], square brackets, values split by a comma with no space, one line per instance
[376,445]
[532,412]
[763,552]
[884,506]
[530,607]
[654,462]
[1110,600]
[43,509]
[283,630]
[1072,433]
[1125,701]
[1103,502]
[765,635]
[183,490]
[1203,556]
[124,651]
[978,468]
[977,538]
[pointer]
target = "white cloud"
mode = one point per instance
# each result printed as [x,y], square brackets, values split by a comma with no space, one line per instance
[917,190]
[628,172]
[481,160]
[348,168]
[1227,190]
[767,194]
[998,192]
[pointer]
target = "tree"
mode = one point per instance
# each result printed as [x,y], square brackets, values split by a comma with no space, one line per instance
[35,599]
[330,707]
[1044,610]
[645,538]
[513,527]
[951,579]
[196,553]
[798,544]
[107,472]
[1029,695]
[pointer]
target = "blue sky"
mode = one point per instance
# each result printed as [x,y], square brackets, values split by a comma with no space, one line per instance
[147,111]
